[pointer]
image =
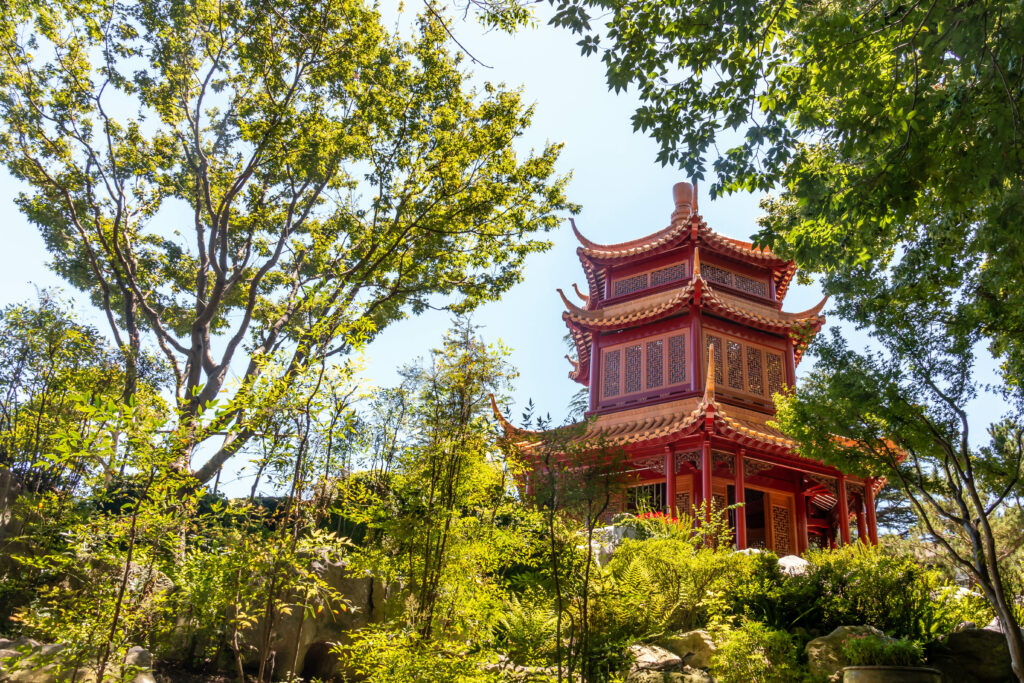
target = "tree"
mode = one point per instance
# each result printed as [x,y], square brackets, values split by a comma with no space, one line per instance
[893,134]
[49,364]
[243,182]
[900,414]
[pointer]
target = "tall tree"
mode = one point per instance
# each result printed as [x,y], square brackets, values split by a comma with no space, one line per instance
[894,135]
[256,186]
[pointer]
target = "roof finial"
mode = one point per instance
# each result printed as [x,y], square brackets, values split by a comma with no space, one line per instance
[709,382]
[682,193]
[696,261]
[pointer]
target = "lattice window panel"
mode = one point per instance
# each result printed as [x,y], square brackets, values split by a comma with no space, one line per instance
[750,285]
[646,497]
[716,274]
[781,534]
[776,376]
[670,274]
[612,365]
[629,285]
[677,359]
[716,343]
[720,503]
[734,362]
[683,503]
[631,378]
[755,371]
[655,363]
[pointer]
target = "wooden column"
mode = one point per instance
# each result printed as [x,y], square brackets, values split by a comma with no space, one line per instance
[869,506]
[844,511]
[670,482]
[800,501]
[859,512]
[595,380]
[741,499]
[705,478]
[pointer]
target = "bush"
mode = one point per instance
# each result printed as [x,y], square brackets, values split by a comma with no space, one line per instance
[755,652]
[870,650]
[669,584]
[856,584]
[526,631]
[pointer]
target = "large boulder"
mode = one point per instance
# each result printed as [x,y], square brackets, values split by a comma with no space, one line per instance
[27,661]
[693,647]
[791,565]
[309,641]
[687,674]
[973,655]
[654,658]
[825,654]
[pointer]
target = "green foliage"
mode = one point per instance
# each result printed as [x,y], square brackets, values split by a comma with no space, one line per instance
[526,629]
[336,177]
[379,655]
[662,585]
[856,584]
[871,650]
[755,652]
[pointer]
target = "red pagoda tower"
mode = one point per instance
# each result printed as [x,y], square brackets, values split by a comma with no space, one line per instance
[682,341]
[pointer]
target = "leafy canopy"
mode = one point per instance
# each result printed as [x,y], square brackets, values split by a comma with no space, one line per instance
[244,182]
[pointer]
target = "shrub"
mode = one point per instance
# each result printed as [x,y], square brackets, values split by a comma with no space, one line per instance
[755,652]
[669,584]
[856,584]
[526,630]
[871,650]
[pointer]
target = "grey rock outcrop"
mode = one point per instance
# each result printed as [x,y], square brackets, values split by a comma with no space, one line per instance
[695,648]
[825,654]
[973,655]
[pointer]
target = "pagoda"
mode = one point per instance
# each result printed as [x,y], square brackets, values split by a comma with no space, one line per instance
[682,341]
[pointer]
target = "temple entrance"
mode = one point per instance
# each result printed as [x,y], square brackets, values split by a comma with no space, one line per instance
[754,512]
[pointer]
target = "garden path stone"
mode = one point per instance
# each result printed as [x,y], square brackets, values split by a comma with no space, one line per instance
[825,654]
[693,647]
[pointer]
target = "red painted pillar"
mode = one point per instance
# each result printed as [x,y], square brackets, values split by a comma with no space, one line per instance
[670,482]
[800,501]
[705,478]
[859,512]
[595,378]
[844,511]
[869,506]
[741,498]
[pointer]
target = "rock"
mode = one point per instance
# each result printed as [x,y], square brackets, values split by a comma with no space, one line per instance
[964,625]
[693,647]
[139,657]
[606,539]
[825,654]
[791,565]
[654,658]
[687,675]
[748,551]
[974,655]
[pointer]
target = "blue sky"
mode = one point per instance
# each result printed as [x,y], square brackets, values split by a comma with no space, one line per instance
[623,191]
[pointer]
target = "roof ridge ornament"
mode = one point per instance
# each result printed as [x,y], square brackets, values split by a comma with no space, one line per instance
[685,196]
[709,381]
[573,308]
[584,297]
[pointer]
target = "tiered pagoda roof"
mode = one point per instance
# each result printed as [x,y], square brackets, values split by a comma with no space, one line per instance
[686,228]
[670,422]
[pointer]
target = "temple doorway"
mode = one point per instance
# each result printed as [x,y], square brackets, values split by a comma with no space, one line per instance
[754,512]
